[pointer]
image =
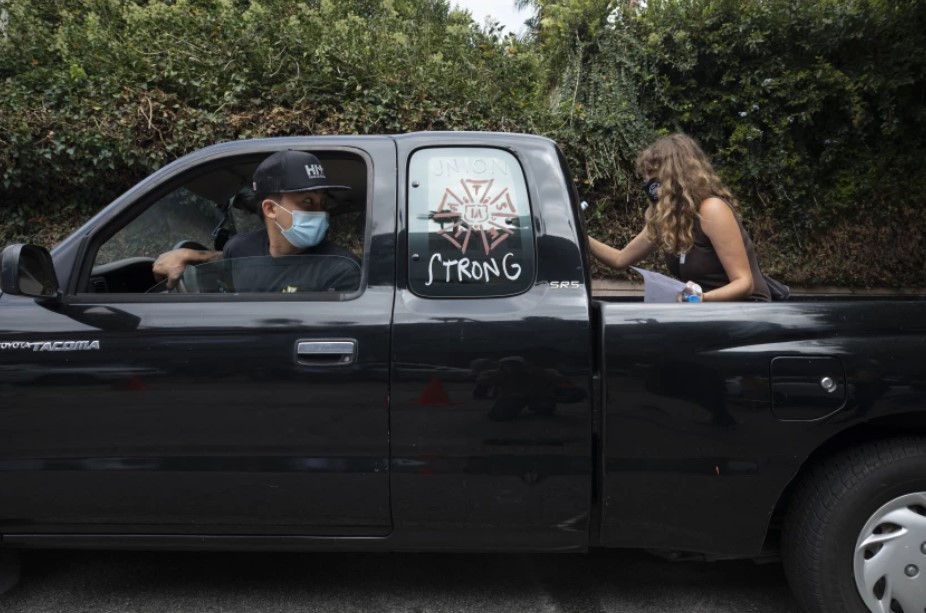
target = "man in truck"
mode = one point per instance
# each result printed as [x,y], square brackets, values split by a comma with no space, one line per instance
[289,192]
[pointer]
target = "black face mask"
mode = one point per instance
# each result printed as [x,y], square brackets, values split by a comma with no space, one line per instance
[651,188]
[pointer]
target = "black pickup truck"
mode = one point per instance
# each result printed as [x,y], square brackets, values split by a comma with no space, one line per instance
[466,393]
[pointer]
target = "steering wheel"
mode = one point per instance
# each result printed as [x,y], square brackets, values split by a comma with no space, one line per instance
[181,286]
[188,244]
[159,287]
[183,283]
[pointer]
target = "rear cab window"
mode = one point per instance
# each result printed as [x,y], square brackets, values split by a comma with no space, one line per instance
[469,220]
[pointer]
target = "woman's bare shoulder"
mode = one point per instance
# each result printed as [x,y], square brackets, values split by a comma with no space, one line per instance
[715,207]
[717,217]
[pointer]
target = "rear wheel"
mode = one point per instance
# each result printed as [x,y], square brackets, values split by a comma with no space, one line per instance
[855,534]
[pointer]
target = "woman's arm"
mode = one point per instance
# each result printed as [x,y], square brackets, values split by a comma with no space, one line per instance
[719,224]
[619,259]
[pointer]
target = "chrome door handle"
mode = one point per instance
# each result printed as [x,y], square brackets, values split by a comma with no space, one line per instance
[326,353]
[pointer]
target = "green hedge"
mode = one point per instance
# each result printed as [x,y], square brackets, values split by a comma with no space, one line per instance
[814,111]
[96,94]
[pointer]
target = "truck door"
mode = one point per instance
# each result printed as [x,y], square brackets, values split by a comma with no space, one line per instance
[215,410]
[491,403]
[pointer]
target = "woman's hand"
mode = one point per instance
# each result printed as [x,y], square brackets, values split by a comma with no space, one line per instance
[691,293]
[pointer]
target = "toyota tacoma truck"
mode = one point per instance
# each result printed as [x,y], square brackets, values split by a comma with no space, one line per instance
[466,393]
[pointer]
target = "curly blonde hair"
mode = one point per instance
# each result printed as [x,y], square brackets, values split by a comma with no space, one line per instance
[686,178]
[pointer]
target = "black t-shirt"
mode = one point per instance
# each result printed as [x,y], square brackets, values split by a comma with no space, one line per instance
[327,267]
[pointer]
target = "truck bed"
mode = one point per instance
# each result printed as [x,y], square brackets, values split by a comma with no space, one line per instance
[723,402]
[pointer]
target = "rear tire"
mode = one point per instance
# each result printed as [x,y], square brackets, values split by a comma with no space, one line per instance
[855,533]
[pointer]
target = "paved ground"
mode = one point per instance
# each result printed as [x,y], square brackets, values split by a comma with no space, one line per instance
[599,582]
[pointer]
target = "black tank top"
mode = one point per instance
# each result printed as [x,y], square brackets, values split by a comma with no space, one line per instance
[704,268]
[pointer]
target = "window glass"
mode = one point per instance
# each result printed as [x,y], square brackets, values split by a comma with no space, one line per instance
[469,224]
[214,207]
[295,274]
[180,215]
[245,221]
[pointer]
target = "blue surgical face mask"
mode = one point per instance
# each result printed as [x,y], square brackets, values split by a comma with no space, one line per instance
[308,229]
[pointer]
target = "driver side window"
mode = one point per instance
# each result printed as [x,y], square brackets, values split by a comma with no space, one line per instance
[179,216]
[213,205]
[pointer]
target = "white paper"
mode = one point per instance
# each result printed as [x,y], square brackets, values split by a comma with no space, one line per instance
[658,287]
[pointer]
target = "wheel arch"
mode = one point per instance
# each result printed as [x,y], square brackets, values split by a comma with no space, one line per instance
[912,423]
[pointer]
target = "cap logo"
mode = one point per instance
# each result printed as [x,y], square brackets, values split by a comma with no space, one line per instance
[315,171]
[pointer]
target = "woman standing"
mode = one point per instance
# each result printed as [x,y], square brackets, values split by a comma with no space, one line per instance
[692,219]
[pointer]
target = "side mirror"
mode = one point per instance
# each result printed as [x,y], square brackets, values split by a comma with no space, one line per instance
[27,270]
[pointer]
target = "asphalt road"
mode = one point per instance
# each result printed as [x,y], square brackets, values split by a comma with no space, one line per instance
[599,582]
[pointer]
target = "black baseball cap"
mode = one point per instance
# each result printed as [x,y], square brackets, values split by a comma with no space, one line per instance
[291,171]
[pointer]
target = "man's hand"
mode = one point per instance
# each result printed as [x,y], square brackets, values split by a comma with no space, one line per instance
[170,265]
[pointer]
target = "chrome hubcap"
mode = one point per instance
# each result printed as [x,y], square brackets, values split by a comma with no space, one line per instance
[890,555]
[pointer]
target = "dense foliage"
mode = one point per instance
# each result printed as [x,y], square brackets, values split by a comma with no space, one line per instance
[95,94]
[814,111]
